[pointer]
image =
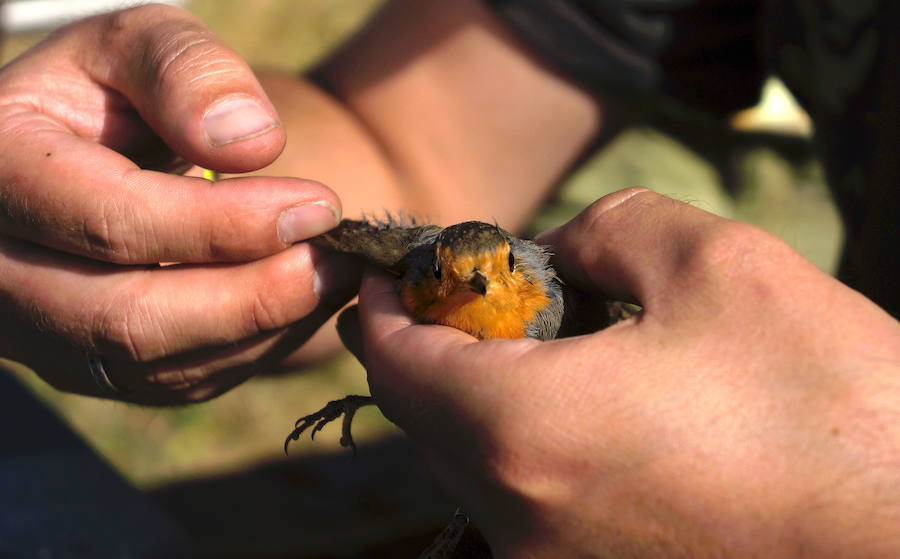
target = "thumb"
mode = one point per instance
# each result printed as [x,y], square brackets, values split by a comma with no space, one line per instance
[635,244]
[427,378]
[192,90]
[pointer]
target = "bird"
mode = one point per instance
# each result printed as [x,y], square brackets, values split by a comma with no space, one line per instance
[473,276]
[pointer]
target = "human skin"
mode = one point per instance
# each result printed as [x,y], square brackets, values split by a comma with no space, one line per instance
[82,224]
[114,96]
[750,409]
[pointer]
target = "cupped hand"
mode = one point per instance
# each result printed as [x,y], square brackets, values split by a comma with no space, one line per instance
[749,409]
[88,120]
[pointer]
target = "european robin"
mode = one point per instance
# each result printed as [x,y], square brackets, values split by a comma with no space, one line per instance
[473,276]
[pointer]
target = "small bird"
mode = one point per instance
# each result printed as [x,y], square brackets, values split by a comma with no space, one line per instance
[473,276]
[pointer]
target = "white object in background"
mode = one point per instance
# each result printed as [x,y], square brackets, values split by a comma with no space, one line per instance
[29,15]
[777,112]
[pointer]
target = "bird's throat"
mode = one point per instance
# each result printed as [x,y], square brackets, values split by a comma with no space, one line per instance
[504,311]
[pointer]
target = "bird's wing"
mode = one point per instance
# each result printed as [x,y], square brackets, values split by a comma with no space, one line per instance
[382,243]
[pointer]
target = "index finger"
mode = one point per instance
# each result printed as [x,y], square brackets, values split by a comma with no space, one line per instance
[75,196]
[417,369]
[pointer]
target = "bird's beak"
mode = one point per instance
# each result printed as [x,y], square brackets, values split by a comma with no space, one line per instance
[478,283]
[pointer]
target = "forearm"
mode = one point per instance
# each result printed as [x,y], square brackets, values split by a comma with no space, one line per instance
[328,143]
[436,109]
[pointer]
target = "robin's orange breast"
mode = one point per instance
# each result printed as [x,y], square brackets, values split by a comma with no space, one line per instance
[510,301]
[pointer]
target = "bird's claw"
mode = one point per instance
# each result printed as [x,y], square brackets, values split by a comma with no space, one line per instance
[346,406]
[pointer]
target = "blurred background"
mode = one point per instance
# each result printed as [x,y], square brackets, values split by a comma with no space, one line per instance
[218,468]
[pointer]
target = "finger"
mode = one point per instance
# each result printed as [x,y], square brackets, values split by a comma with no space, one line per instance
[351,335]
[195,92]
[401,355]
[192,376]
[144,314]
[417,371]
[203,374]
[62,189]
[638,244]
[108,210]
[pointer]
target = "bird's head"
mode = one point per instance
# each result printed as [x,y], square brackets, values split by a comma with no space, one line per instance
[470,259]
[472,278]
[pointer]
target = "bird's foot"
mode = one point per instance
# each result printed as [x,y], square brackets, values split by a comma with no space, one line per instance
[345,406]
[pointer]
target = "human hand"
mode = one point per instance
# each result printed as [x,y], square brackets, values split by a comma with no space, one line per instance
[749,409]
[85,117]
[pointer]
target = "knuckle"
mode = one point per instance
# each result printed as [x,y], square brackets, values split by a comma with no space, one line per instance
[96,234]
[220,235]
[108,234]
[122,24]
[174,46]
[17,122]
[266,311]
[188,55]
[122,27]
[596,217]
[733,261]
[592,217]
[124,326]
[725,245]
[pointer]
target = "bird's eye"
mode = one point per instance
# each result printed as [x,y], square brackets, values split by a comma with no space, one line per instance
[437,269]
[512,262]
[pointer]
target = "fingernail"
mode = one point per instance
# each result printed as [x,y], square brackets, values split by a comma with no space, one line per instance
[337,278]
[305,221]
[235,119]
